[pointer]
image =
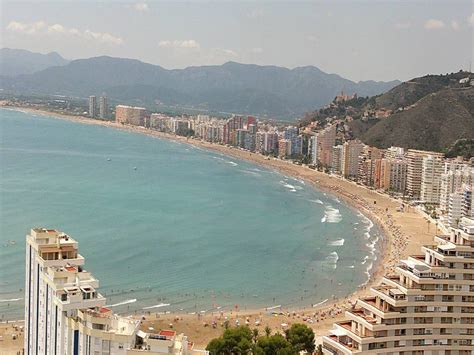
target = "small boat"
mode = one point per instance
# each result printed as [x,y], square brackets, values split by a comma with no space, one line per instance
[108,159]
[134,168]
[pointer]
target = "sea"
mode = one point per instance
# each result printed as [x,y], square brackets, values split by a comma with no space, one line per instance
[167,226]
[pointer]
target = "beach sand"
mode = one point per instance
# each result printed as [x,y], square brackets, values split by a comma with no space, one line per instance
[404,234]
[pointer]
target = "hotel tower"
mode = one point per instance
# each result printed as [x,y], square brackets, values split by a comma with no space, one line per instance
[427,307]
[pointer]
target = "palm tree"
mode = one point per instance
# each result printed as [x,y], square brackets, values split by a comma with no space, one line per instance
[268,331]
[255,335]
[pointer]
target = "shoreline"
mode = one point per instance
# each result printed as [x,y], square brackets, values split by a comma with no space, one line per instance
[380,209]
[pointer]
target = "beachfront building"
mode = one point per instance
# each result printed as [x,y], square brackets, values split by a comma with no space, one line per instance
[397,175]
[284,148]
[64,312]
[367,164]
[432,168]
[426,307]
[351,150]
[415,170]
[313,149]
[326,141]
[336,159]
[103,107]
[130,115]
[92,106]
[456,173]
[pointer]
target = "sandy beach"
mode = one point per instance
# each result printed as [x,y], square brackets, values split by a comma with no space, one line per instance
[404,234]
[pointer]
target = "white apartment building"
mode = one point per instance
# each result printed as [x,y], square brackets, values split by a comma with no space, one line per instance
[432,168]
[426,307]
[336,159]
[313,149]
[415,169]
[66,315]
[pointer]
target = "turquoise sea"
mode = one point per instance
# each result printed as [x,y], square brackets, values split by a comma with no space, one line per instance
[188,229]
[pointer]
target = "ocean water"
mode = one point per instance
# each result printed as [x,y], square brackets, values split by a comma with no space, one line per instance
[166,226]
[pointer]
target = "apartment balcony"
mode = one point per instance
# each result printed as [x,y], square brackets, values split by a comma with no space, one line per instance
[391,295]
[335,344]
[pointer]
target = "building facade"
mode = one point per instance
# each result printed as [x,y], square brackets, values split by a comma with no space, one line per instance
[426,307]
[66,315]
[130,115]
[92,106]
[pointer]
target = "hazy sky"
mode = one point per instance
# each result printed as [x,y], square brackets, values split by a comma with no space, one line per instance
[359,40]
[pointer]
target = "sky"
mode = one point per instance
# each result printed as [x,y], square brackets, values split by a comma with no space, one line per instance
[359,40]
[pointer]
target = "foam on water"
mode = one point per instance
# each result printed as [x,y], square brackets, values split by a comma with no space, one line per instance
[332,215]
[123,303]
[337,243]
[160,305]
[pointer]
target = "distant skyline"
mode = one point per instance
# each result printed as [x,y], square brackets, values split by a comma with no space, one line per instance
[363,40]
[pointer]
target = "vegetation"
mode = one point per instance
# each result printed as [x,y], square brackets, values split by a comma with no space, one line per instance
[243,340]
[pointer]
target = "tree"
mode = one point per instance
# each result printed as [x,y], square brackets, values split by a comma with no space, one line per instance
[301,337]
[268,331]
[275,345]
[255,335]
[233,341]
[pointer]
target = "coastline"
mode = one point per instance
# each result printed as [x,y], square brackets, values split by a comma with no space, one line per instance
[403,232]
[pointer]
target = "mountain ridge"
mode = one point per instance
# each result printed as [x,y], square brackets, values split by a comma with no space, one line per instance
[231,87]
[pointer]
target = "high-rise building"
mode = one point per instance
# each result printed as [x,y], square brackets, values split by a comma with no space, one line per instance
[426,307]
[92,106]
[456,173]
[369,155]
[336,163]
[130,115]
[64,312]
[432,168]
[326,142]
[398,175]
[313,149]
[284,148]
[351,150]
[66,315]
[415,169]
[103,107]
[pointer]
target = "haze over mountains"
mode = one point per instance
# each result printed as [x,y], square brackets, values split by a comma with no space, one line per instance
[271,91]
[15,62]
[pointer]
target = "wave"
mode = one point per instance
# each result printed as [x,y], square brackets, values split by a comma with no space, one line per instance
[331,260]
[323,220]
[351,267]
[320,303]
[288,186]
[317,201]
[157,306]
[251,172]
[232,163]
[133,300]
[337,243]
[332,215]
[11,300]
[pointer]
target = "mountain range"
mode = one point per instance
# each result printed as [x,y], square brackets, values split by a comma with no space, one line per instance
[15,62]
[270,91]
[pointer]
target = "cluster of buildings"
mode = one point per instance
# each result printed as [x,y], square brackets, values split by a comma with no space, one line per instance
[101,110]
[65,314]
[425,307]
[445,185]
